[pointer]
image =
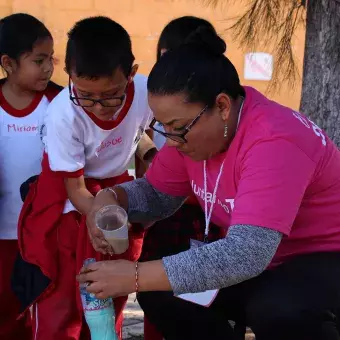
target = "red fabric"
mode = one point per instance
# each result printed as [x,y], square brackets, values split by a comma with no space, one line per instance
[10,327]
[52,90]
[56,316]
[20,113]
[192,200]
[150,331]
[74,174]
[58,243]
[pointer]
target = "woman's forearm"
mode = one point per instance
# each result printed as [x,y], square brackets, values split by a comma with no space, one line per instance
[243,254]
[144,203]
[152,277]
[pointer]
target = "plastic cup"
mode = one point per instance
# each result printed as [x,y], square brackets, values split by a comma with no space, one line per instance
[112,220]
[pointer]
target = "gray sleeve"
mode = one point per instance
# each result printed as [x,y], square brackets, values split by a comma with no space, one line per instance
[146,204]
[244,253]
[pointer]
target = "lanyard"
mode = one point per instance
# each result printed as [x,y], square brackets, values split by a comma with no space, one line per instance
[207,213]
[213,198]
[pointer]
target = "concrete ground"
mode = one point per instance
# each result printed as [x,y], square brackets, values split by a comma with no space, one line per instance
[133,328]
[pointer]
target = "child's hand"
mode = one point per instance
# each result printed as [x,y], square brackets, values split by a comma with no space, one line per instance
[97,238]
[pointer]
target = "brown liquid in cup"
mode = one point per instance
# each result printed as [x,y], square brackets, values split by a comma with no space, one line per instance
[108,223]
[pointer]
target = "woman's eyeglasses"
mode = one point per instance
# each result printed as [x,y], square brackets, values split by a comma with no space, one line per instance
[178,137]
[88,102]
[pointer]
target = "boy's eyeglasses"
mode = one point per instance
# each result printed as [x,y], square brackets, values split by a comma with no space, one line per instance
[178,137]
[88,102]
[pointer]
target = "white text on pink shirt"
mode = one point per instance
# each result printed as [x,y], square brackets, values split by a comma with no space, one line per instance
[227,204]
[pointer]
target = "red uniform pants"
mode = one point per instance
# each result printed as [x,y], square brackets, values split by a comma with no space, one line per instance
[10,327]
[57,316]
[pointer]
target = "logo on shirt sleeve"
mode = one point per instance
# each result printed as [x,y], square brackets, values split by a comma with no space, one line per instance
[310,124]
[42,132]
[139,134]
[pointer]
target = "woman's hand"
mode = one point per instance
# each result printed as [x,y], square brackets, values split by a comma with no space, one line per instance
[109,278]
[97,238]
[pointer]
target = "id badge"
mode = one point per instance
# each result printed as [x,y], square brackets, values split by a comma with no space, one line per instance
[205,298]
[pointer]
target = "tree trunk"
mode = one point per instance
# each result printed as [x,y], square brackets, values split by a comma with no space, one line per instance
[321,75]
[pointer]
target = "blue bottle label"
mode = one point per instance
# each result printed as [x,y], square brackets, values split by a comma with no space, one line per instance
[89,300]
[92,303]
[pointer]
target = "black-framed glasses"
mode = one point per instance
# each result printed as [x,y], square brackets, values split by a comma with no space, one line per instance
[88,102]
[178,137]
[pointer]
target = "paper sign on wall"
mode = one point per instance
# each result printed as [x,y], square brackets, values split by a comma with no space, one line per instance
[258,66]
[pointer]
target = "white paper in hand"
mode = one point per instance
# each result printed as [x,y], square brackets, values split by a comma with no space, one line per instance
[203,298]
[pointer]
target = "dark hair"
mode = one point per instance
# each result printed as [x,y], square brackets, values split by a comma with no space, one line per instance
[177,31]
[98,46]
[19,33]
[198,69]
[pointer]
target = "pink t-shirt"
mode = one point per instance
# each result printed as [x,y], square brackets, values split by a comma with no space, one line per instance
[281,172]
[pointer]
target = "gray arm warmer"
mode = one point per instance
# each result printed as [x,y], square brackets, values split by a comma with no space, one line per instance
[146,204]
[243,254]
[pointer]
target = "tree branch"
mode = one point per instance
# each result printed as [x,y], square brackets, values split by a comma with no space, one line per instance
[269,23]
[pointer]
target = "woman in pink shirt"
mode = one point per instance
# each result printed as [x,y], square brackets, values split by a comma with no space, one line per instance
[266,174]
[172,235]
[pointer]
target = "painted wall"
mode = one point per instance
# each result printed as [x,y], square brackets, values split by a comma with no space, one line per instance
[144,20]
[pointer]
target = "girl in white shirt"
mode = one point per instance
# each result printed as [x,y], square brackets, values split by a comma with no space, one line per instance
[26,56]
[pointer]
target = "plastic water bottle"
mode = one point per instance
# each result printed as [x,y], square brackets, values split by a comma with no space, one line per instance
[99,314]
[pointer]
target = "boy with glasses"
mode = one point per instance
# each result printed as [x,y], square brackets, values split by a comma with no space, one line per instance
[93,129]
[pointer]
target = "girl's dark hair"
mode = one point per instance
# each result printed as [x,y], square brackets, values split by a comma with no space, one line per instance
[198,69]
[97,47]
[19,33]
[177,31]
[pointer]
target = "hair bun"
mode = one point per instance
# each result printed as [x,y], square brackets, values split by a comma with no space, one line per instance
[207,38]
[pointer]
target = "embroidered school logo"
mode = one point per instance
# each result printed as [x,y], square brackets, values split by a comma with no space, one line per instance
[139,134]
[42,132]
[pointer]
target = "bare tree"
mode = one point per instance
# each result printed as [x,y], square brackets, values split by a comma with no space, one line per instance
[274,22]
